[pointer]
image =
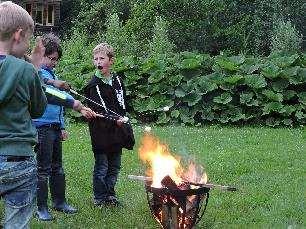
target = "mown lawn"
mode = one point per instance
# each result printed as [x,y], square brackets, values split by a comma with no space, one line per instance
[267,165]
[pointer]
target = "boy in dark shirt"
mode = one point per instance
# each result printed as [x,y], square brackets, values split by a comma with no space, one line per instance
[108,90]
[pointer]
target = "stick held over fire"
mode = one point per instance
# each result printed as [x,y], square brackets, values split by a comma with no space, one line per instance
[213,186]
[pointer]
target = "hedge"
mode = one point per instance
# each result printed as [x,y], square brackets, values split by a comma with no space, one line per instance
[200,88]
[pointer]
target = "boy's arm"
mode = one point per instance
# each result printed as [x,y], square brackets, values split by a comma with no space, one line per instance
[60,84]
[61,98]
[38,100]
[56,97]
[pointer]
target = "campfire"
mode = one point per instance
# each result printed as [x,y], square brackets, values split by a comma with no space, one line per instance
[177,196]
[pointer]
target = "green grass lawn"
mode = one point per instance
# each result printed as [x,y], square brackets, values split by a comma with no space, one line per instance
[266,165]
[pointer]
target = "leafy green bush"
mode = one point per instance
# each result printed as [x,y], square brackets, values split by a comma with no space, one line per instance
[200,88]
[223,89]
[286,38]
[116,35]
[160,43]
[76,65]
[207,26]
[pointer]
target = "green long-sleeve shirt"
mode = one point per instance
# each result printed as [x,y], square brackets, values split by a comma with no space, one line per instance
[21,99]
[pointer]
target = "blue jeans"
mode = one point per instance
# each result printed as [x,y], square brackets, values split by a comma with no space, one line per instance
[49,152]
[105,174]
[18,182]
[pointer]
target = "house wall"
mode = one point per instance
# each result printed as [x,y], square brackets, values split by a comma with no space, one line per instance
[55,3]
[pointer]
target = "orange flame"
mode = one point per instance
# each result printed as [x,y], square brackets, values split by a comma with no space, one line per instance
[161,163]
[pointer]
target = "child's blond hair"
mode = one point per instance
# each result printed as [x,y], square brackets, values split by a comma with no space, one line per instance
[104,48]
[12,18]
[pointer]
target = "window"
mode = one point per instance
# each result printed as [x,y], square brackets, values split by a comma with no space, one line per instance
[42,14]
[50,15]
[39,14]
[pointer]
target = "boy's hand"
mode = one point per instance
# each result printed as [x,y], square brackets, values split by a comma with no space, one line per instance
[87,112]
[38,53]
[64,135]
[119,122]
[63,85]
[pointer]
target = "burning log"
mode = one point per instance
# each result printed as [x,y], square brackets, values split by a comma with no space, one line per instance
[169,183]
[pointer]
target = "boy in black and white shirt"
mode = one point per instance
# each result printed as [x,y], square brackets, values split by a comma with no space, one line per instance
[106,89]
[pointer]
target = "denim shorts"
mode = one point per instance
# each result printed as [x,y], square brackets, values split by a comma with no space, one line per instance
[18,182]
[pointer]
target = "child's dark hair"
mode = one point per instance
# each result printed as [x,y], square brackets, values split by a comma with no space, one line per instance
[52,44]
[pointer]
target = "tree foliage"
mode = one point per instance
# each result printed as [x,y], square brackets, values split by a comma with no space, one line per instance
[203,25]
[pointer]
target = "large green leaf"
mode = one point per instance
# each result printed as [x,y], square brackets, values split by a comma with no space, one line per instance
[271,95]
[188,87]
[285,61]
[151,65]
[300,77]
[123,64]
[271,71]
[233,79]
[224,118]
[141,105]
[248,99]
[175,80]
[250,68]
[280,84]
[163,119]
[175,113]
[230,63]
[192,83]
[193,98]
[245,98]
[288,109]
[289,94]
[250,65]
[272,107]
[291,71]
[180,92]
[287,122]
[152,103]
[156,76]
[217,78]
[207,113]
[131,77]
[300,115]
[206,85]
[302,97]
[227,87]
[255,81]
[186,116]
[190,64]
[159,88]
[223,98]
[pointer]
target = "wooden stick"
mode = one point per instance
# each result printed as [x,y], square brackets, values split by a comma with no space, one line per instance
[140,178]
[216,186]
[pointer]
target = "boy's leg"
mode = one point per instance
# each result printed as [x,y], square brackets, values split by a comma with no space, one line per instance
[114,165]
[21,192]
[100,170]
[57,178]
[44,150]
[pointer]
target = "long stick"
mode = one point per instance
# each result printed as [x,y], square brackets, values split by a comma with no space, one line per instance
[217,186]
[90,100]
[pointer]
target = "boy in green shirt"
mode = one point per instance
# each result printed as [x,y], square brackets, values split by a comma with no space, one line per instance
[21,99]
